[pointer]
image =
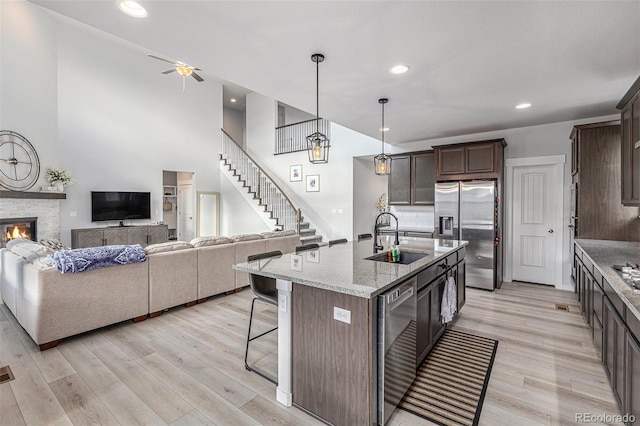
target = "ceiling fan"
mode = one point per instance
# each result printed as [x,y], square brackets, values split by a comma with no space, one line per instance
[181,68]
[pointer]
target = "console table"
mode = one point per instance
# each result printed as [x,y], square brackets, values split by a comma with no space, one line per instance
[95,237]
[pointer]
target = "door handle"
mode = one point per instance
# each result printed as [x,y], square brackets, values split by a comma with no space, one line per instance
[551,231]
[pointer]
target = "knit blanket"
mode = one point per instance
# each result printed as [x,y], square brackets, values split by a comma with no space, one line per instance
[87,259]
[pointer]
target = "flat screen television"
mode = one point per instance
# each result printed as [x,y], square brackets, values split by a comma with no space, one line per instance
[117,205]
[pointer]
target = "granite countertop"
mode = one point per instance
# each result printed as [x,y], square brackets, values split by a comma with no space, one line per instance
[344,269]
[607,253]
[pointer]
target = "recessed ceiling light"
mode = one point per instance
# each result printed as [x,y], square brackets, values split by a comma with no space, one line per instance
[233,100]
[523,105]
[384,129]
[132,8]
[399,69]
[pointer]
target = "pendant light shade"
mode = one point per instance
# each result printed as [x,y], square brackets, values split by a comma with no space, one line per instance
[318,143]
[382,162]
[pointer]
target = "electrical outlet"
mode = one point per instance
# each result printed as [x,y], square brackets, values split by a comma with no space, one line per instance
[340,211]
[73,214]
[342,315]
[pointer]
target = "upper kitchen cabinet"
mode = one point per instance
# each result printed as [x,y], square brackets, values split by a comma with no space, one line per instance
[400,180]
[630,149]
[412,179]
[597,213]
[476,160]
[423,178]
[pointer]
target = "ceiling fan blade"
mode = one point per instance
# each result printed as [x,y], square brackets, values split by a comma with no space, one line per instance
[161,59]
[196,76]
[169,71]
[196,69]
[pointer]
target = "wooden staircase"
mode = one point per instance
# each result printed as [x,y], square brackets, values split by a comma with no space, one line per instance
[265,191]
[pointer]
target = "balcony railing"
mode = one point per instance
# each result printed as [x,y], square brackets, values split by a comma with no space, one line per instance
[293,137]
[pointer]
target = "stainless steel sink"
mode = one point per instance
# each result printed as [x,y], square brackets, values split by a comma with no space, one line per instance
[406,257]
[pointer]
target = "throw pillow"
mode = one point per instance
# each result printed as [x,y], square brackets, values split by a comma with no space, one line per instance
[42,262]
[54,244]
[16,241]
[31,251]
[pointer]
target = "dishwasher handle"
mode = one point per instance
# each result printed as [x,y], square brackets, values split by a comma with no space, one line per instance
[399,296]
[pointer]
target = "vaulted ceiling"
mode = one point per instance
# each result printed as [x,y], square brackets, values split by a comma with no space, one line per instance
[470,62]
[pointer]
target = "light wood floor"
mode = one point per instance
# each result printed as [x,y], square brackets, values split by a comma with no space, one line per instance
[185,367]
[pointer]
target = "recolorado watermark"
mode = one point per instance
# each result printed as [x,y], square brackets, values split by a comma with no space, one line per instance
[605,418]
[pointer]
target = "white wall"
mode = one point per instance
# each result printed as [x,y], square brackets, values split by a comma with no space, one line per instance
[295,115]
[336,178]
[233,124]
[368,187]
[28,80]
[99,107]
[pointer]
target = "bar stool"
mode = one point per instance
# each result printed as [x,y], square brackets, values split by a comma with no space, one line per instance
[364,237]
[264,289]
[340,241]
[306,247]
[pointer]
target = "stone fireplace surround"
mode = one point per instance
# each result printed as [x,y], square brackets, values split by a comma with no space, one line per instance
[44,206]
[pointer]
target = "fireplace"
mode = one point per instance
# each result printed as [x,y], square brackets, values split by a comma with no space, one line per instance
[17,227]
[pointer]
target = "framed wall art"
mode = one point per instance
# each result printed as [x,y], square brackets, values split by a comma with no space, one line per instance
[295,173]
[313,183]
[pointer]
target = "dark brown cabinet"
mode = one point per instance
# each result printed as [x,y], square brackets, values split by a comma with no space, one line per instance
[431,285]
[400,180]
[615,334]
[412,179]
[477,160]
[630,147]
[613,350]
[459,275]
[423,178]
[595,195]
[632,406]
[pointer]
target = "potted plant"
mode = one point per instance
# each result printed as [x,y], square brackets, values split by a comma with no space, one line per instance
[58,178]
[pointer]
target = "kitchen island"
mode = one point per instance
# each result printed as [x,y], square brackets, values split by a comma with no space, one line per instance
[331,345]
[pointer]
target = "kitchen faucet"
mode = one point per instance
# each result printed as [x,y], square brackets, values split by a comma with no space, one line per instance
[377,246]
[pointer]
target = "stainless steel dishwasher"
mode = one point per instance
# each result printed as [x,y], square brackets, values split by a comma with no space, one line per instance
[396,346]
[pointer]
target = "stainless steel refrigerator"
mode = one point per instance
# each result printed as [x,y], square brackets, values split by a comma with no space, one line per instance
[469,210]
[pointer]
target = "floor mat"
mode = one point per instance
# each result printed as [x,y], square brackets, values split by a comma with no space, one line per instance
[451,382]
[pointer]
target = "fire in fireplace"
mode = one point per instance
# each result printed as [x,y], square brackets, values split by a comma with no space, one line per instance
[17,227]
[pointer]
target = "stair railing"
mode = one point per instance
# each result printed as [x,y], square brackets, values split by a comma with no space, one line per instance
[258,182]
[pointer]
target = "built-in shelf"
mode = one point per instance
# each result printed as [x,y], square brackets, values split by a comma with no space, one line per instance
[34,195]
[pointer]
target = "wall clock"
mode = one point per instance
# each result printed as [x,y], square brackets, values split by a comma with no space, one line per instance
[19,163]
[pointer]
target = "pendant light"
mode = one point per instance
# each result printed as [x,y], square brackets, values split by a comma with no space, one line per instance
[318,143]
[382,162]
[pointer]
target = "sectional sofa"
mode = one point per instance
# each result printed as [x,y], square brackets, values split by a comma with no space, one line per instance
[51,306]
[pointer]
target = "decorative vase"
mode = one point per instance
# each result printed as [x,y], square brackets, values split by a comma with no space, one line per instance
[59,186]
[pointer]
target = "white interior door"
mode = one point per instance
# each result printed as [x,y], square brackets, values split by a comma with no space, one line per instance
[186,228]
[537,198]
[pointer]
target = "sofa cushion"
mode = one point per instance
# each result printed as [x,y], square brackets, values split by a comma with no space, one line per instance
[246,237]
[278,234]
[30,250]
[210,241]
[168,246]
